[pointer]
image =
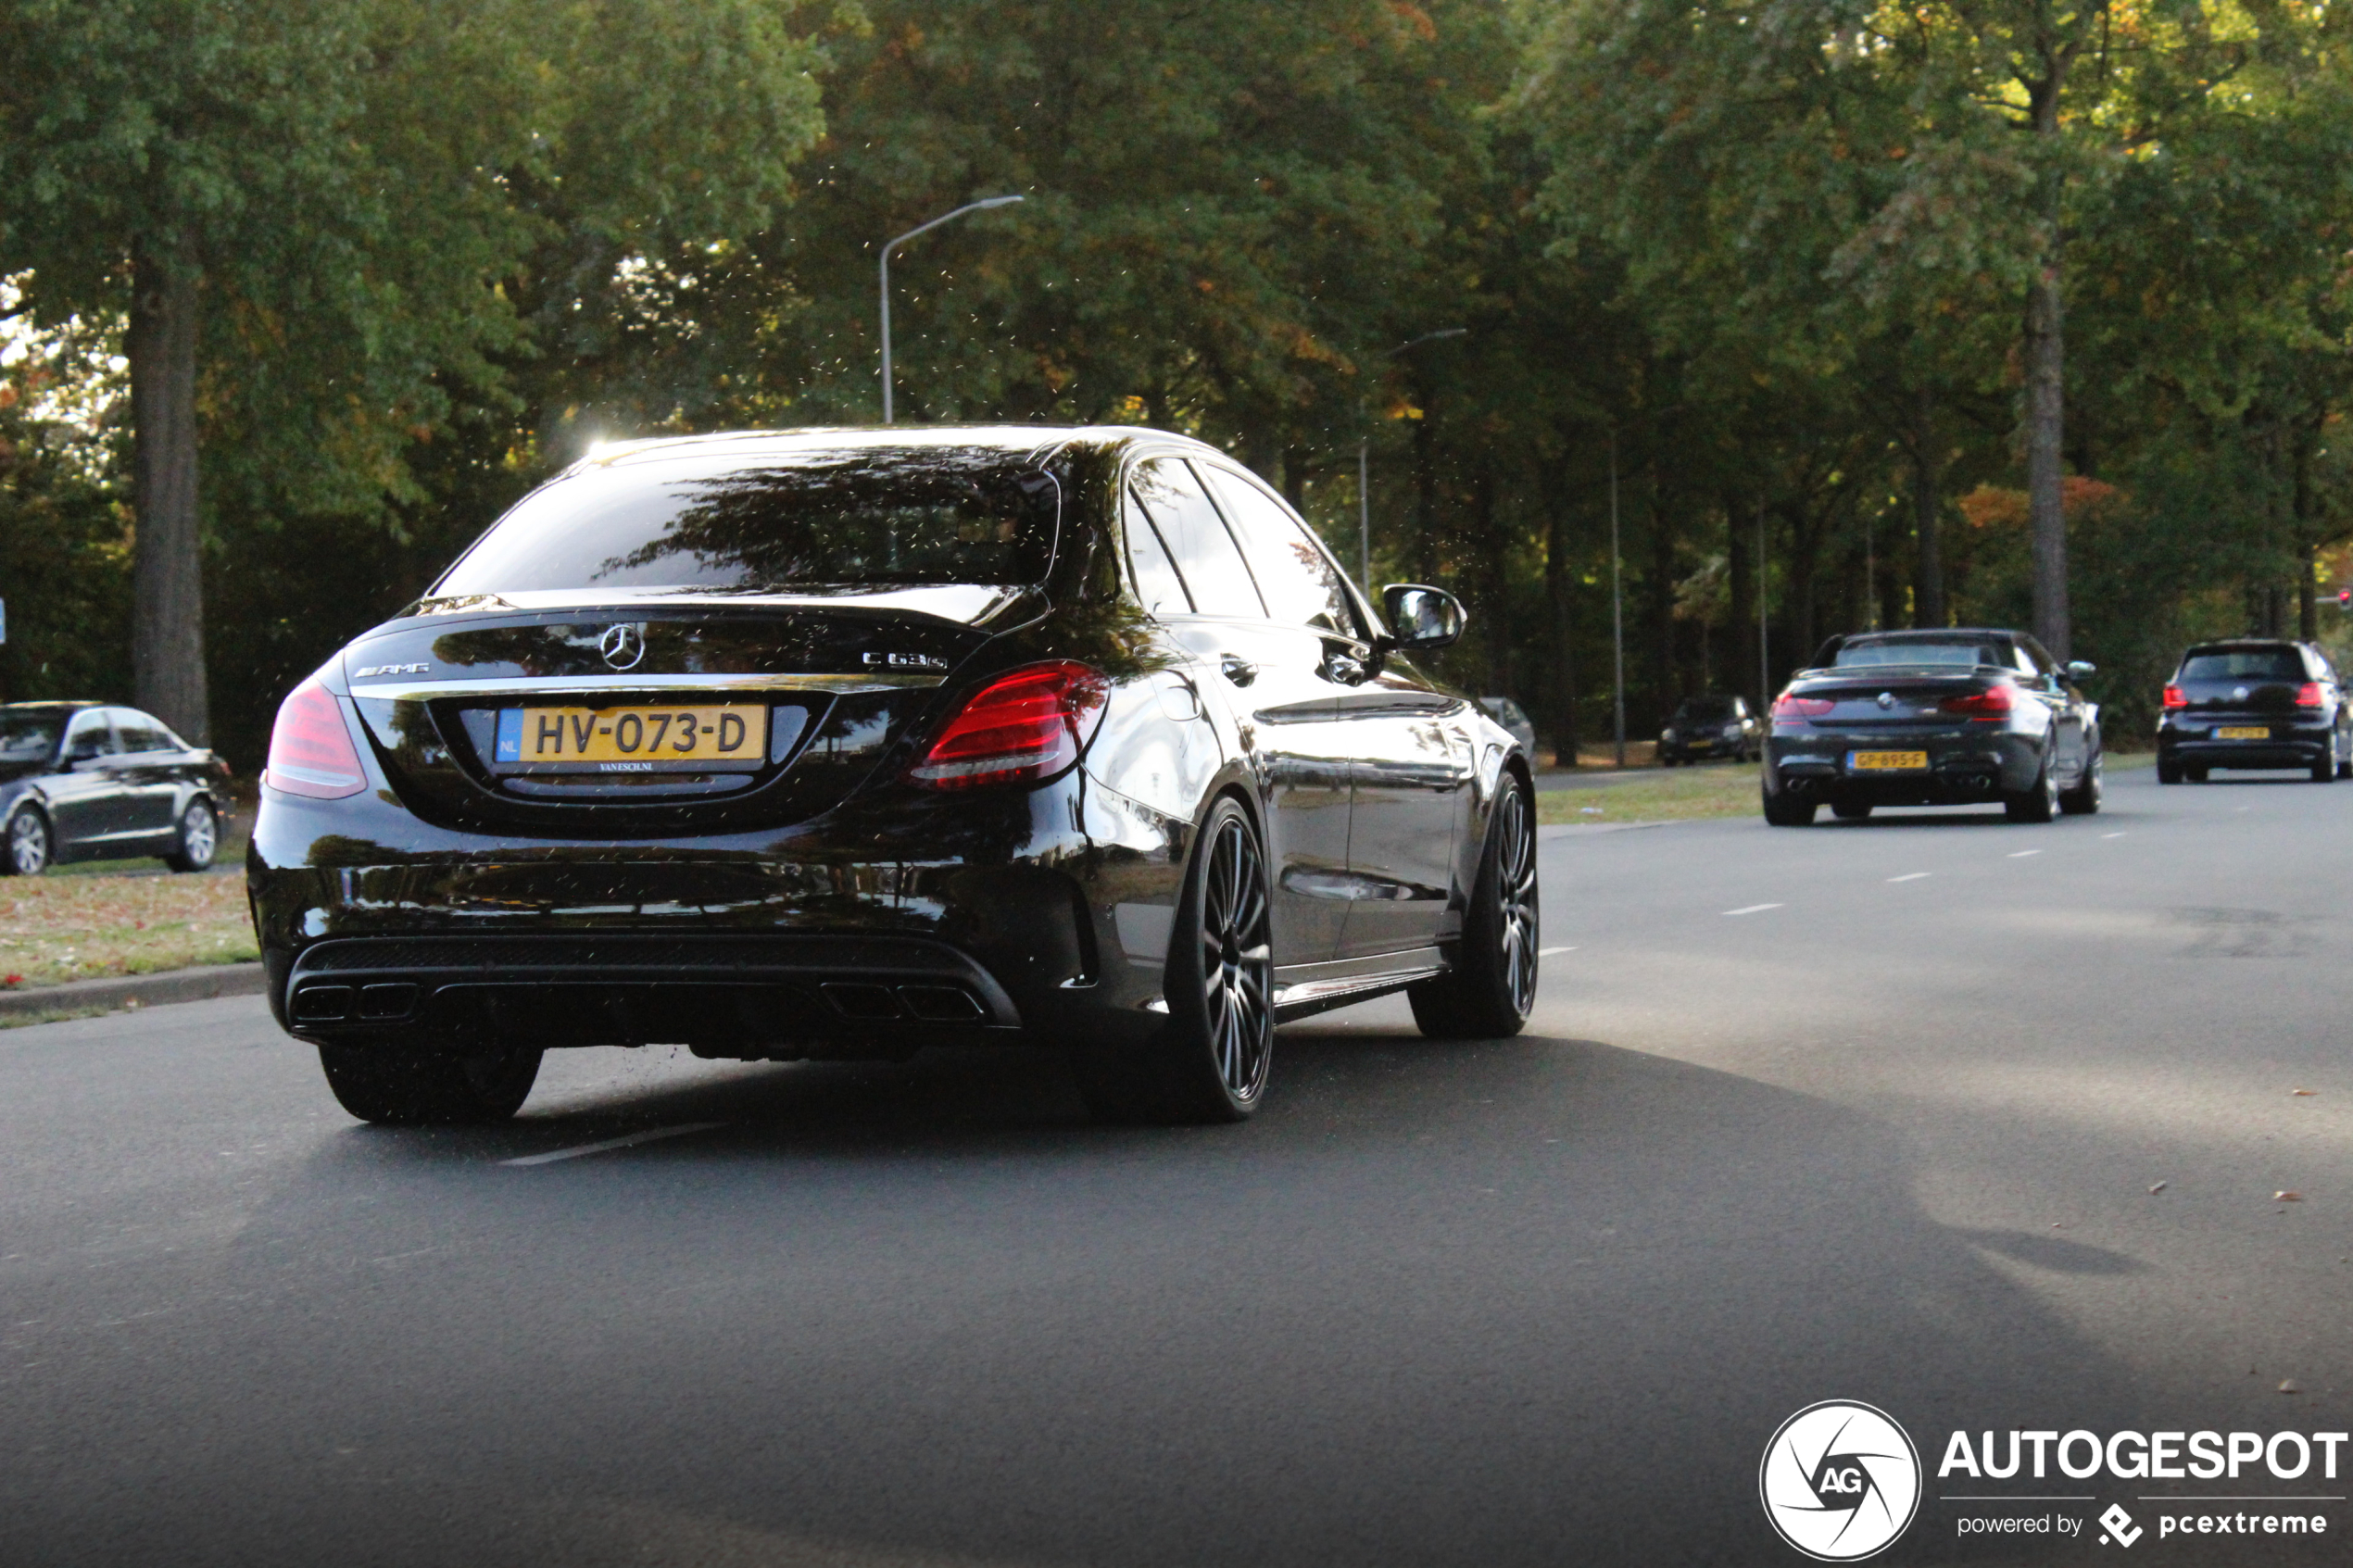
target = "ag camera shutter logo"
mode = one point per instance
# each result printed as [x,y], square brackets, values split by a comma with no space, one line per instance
[1840,1481]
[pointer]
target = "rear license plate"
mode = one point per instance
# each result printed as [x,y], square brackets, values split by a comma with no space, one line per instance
[2243,732]
[1887,761]
[631,740]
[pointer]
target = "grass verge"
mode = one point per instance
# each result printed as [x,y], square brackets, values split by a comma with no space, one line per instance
[1693,794]
[65,927]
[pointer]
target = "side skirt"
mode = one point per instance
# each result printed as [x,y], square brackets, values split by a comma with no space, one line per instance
[1302,990]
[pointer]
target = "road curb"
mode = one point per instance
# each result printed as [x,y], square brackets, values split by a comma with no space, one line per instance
[199,984]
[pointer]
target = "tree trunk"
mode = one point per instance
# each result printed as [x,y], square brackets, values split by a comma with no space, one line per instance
[1928,584]
[2308,602]
[2046,391]
[1744,591]
[166,576]
[1558,583]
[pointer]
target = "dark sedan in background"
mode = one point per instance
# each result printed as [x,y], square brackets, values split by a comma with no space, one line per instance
[2253,702]
[1705,728]
[840,743]
[81,781]
[1933,718]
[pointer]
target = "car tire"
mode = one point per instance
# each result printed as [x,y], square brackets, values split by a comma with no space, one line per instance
[2195,775]
[404,1086]
[1787,812]
[2167,772]
[2084,800]
[2345,768]
[198,838]
[1487,994]
[29,846]
[1853,811]
[2038,802]
[1208,1061]
[2325,770]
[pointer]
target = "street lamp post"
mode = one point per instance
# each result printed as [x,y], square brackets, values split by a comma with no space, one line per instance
[893,245]
[1617,610]
[1365,471]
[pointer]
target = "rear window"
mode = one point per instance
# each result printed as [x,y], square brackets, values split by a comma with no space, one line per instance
[926,514]
[1970,653]
[2244,664]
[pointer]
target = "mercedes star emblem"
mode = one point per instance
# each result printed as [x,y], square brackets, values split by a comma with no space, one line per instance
[1887,700]
[2238,693]
[623,645]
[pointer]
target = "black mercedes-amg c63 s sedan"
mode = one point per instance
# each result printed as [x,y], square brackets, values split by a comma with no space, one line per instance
[1954,717]
[839,743]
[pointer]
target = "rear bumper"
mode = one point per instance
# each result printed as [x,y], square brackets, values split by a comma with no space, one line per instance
[723,993]
[887,921]
[1965,769]
[2288,746]
[1701,750]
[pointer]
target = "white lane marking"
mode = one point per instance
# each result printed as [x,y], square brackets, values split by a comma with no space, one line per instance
[1548,952]
[647,1137]
[1755,909]
[2022,854]
[2111,835]
[1909,876]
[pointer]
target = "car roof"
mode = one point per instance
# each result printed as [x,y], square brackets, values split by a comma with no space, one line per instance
[1029,442]
[2230,645]
[74,706]
[1932,634]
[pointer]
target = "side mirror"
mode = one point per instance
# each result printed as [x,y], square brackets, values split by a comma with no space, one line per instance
[2077,668]
[1422,616]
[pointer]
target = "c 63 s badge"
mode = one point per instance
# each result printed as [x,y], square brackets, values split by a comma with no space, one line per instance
[1840,1481]
[905,661]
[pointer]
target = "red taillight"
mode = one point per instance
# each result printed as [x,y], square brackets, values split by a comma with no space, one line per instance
[1788,706]
[310,752]
[2309,695]
[2174,697]
[1992,704]
[1018,729]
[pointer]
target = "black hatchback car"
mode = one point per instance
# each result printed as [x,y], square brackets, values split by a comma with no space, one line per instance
[2254,703]
[1708,727]
[839,742]
[1951,716]
[83,782]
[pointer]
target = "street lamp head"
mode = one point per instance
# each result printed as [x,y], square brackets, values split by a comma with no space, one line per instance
[999,201]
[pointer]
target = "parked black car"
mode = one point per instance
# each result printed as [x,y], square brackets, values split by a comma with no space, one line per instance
[1708,727]
[1933,718]
[837,743]
[80,782]
[2253,702]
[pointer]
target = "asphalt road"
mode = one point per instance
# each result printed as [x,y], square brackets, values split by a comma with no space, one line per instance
[1539,1301]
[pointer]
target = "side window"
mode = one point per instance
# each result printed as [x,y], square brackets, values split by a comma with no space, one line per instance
[91,736]
[136,732]
[1158,583]
[1196,537]
[1301,586]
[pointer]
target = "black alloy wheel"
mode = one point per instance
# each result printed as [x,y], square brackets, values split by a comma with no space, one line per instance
[403,1087]
[2084,800]
[29,846]
[1209,1063]
[199,838]
[2039,802]
[1487,994]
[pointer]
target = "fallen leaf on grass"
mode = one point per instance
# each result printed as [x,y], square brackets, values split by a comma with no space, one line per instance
[2161,1187]
[2287,1386]
[11,980]
[2287,1197]
[2292,1093]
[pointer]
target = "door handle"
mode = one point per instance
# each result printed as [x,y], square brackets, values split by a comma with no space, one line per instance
[1242,671]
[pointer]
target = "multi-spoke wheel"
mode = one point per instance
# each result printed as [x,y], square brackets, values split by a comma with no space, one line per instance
[1489,992]
[199,838]
[1209,1063]
[29,847]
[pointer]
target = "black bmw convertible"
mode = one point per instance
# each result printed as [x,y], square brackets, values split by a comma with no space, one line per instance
[1954,717]
[840,743]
